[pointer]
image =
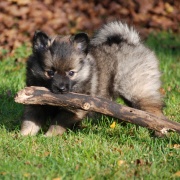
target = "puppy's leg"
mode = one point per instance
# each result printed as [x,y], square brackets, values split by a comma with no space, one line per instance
[64,120]
[144,97]
[140,82]
[141,88]
[154,106]
[32,120]
[150,102]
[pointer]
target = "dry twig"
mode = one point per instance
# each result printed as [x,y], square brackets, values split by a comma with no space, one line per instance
[42,96]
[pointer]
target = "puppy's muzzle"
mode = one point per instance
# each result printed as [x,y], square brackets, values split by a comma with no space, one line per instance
[60,84]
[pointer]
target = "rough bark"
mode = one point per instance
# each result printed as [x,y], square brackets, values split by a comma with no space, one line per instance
[70,101]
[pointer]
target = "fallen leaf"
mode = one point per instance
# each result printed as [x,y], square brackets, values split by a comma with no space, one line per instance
[168,8]
[171,154]
[27,163]
[159,8]
[141,162]
[162,22]
[169,88]
[3,173]
[21,2]
[39,165]
[113,125]
[77,167]
[120,162]
[176,146]
[177,174]
[58,178]
[162,91]
[119,150]
[23,17]
[46,154]
[144,6]
[26,175]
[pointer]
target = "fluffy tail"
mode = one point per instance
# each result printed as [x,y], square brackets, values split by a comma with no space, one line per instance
[115,32]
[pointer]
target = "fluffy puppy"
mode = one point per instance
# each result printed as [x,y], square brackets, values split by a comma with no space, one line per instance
[113,63]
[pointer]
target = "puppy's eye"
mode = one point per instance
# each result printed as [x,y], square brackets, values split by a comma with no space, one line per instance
[71,73]
[50,73]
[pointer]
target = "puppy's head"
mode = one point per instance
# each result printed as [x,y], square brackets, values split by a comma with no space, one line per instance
[62,60]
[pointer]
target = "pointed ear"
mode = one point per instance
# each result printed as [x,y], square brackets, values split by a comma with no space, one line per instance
[81,41]
[41,41]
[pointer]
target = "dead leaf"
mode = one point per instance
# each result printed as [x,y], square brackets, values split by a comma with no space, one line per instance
[177,174]
[119,150]
[144,6]
[58,178]
[161,22]
[3,173]
[26,174]
[23,17]
[176,146]
[169,88]
[45,154]
[20,2]
[168,8]
[77,167]
[27,163]
[158,9]
[120,162]
[162,91]
[112,126]
[39,165]
[141,162]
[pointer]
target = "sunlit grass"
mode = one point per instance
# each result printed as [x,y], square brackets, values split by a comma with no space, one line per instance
[97,151]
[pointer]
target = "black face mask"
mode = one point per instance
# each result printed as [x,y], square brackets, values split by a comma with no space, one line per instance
[60,84]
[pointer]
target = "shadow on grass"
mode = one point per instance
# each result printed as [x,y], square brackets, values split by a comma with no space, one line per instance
[98,125]
[10,111]
[123,131]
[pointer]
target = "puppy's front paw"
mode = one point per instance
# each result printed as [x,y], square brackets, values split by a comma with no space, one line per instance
[29,128]
[55,130]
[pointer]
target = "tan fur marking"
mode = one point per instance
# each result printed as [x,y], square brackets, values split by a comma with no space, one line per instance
[29,128]
[55,130]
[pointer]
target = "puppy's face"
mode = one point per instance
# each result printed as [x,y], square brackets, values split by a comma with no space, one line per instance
[62,60]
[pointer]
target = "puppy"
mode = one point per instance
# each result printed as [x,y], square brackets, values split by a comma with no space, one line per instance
[113,63]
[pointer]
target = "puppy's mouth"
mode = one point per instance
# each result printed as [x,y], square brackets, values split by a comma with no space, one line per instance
[60,92]
[61,89]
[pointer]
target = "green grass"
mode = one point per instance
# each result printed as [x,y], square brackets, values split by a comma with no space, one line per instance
[97,151]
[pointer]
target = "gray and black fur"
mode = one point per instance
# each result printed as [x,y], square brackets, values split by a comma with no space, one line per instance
[61,64]
[113,64]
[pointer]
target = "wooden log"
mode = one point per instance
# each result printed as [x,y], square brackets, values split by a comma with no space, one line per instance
[70,101]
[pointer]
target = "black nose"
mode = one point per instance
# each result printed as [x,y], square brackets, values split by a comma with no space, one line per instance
[60,84]
[59,88]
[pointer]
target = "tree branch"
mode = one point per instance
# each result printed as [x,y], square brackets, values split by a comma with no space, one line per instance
[42,96]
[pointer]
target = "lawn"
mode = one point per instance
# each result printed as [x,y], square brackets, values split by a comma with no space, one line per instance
[98,151]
